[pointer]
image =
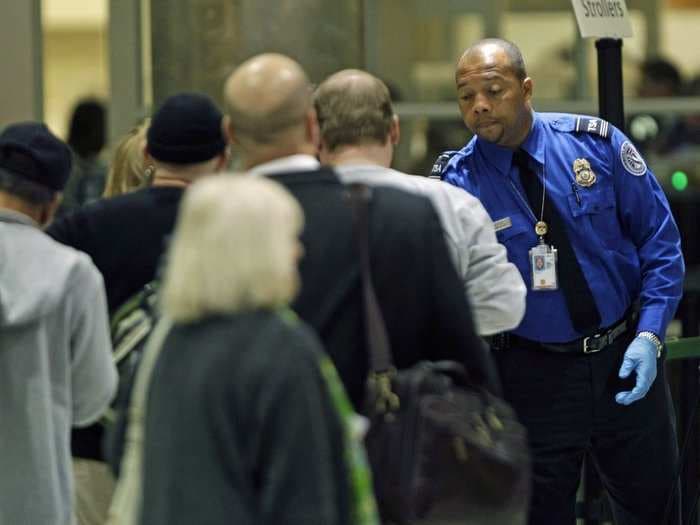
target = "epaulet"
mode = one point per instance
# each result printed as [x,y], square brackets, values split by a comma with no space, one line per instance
[596,126]
[441,163]
[582,124]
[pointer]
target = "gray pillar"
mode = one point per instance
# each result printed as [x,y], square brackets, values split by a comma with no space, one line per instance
[125,66]
[493,17]
[581,64]
[196,43]
[21,61]
[652,11]
[389,40]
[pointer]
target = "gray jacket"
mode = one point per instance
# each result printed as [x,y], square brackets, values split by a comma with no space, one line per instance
[493,285]
[56,368]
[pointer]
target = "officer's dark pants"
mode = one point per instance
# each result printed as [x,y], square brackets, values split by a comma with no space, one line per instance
[567,402]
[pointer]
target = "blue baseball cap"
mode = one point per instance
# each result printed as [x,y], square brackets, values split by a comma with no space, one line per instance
[30,151]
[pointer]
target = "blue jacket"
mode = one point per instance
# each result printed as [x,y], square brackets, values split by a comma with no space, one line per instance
[621,227]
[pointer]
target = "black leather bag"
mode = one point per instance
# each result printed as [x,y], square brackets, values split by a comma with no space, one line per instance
[433,437]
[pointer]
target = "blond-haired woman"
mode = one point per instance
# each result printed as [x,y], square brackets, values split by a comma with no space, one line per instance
[239,426]
[128,170]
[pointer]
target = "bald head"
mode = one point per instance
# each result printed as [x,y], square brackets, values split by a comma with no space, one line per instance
[494,93]
[265,96]
[496,51]
[353,108]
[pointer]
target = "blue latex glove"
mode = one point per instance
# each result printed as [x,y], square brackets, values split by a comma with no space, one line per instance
[640,357]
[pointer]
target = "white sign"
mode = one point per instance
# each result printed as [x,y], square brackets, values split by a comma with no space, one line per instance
[602,18]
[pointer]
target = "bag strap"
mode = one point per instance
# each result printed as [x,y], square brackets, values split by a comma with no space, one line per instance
[138,300]
[379,352]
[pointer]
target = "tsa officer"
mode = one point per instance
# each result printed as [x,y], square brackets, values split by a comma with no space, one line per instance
[590,230]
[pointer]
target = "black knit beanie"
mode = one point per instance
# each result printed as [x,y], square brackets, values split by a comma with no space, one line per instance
[186,129]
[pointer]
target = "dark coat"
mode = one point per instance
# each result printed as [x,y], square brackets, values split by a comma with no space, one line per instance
[419,292]
[238,428]
[125,237]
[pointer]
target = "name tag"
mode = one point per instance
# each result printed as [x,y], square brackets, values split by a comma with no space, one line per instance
[502,224]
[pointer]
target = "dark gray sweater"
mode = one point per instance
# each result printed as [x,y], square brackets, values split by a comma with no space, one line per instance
[239,428]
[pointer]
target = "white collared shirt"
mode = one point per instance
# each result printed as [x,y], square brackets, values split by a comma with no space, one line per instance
[493,285]
[300,162]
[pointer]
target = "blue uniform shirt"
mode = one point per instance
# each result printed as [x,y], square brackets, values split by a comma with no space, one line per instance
[620,228]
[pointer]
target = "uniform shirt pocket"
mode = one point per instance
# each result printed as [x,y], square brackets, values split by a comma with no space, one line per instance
[515,238]
[596,206]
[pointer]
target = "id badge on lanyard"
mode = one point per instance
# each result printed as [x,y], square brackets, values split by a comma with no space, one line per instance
[543,266]
[543,257]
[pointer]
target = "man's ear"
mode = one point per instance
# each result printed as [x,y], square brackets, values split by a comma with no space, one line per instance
[395,130]
[147,159]
[227,130]
[323,152]
[222,162]
[48,210]
[313,133]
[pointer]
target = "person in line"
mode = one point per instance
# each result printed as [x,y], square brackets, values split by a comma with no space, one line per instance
[128,170]
[271,120]
[359,131]
[87,136]
[585,368]
[239,426]
[125,237]
[56,369]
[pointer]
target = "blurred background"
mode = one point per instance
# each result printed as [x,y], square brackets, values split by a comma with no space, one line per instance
[130,54]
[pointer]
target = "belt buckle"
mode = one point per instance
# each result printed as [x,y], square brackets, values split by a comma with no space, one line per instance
[597,347]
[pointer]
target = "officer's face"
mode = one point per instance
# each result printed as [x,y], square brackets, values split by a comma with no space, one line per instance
[494,102]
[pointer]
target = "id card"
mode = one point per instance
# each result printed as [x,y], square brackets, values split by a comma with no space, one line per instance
[543,263]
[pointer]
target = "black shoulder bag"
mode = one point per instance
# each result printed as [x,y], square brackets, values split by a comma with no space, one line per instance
[433,436]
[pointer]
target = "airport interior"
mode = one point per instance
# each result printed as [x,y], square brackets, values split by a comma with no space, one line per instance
[129,56]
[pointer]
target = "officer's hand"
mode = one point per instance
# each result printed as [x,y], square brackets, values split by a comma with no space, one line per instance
[640,357]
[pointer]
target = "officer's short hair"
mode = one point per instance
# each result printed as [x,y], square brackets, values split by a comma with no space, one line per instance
[515,56]
[351,113]
[26,190]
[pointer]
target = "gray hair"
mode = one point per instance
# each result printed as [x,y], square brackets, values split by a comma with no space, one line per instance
[234,249]
[353,111]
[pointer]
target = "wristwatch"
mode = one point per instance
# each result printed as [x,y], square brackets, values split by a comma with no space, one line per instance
[651,336]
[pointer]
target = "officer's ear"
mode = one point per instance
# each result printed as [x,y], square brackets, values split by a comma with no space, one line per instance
[527,88]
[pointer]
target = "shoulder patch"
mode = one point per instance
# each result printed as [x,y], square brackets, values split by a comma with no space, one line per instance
[441,163]
[632,160]
[593,125]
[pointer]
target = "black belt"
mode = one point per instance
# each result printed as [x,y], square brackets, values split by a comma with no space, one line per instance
[586,345]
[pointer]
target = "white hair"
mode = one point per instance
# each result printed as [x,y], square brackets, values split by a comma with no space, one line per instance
[235,248]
